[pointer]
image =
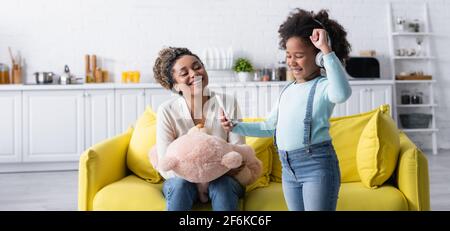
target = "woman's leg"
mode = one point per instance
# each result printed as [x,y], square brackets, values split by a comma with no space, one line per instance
[225,192]
[180,194]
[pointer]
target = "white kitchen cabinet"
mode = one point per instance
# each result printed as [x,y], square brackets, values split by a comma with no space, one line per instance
[48,127]
[247,98]
[365,98]
[99,116]
[10,126]
[130,104]
[53,125]
[155,97]
[267,98]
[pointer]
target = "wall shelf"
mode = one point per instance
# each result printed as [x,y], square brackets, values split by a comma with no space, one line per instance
[415,81]
[411,64]
[416,105]
[414,57]
[432,130]
[411,34]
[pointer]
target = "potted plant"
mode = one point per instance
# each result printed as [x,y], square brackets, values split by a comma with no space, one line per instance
[244,69]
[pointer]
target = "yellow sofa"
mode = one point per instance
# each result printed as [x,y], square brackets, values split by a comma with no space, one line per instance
[107,183]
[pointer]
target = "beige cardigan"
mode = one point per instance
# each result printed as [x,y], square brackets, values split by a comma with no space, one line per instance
[174,120]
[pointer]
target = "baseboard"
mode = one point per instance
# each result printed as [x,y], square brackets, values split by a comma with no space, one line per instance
[37,167]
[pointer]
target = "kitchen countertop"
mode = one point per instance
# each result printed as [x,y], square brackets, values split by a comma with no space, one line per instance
[15,87]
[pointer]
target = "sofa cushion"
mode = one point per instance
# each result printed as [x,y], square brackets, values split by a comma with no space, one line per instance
[264,151]
[270,198]
[142,140]
[412,175]
[134,193]
[275,175]
[378,149]
[130,193]
[354,196]
[345,132]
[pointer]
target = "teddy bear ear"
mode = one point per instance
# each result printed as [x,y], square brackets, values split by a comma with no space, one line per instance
[168,163]
[232,160]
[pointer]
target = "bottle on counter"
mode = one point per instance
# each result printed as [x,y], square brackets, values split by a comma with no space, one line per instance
[281,71]
[4,74]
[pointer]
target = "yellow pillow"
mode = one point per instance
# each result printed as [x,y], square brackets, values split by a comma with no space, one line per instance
[275,175]
[264,151]
[345,132]
[378,149]
[142,140]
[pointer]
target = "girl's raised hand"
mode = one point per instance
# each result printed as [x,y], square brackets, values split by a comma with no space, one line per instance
[319,39]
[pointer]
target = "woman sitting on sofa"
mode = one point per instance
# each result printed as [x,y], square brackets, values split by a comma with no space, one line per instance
[181,71]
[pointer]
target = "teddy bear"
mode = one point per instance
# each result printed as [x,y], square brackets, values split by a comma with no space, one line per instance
[200,158]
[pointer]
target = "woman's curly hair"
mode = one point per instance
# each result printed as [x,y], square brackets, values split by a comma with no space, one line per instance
[162,70]
[301,23]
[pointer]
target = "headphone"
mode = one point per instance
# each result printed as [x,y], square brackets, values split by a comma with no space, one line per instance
[319,56]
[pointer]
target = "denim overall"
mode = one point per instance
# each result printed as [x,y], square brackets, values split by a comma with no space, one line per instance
[311,175]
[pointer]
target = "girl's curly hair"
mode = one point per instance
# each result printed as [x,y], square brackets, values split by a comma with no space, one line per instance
[162,70]
[301,23]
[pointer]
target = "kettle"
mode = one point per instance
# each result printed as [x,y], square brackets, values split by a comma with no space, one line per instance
[66,77]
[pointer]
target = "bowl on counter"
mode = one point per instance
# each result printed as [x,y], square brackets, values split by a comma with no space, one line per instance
[44,77]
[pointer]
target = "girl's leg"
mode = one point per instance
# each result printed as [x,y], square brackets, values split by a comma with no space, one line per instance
[225,192]
[292,187]
[321,196]
[180,194]
[320,192]
[293,193]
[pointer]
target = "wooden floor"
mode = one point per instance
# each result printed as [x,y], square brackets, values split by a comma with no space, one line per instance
[58,190]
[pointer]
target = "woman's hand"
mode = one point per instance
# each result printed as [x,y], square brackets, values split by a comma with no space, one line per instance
[319,39]
[226,123]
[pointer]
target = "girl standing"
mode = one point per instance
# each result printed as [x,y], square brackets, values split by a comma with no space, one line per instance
[299,121]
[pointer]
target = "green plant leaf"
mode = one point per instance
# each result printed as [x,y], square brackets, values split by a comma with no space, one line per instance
[243,65]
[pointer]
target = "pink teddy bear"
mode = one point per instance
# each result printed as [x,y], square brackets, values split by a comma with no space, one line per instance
[200,158]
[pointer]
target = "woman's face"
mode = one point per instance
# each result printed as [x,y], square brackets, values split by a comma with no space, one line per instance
[190,76]
[300,58]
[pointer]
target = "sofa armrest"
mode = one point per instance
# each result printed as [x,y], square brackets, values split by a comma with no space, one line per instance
[412,175]
[100,165]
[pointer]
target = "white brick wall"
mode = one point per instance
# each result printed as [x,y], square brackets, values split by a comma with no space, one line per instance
[128,34]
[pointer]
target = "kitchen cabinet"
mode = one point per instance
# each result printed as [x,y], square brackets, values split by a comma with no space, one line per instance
[365,98]
[53,125]
[247,98]
[267,97]
[155,97]
[10,126]
[99,115]
[48,127]
[130,103]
